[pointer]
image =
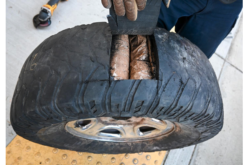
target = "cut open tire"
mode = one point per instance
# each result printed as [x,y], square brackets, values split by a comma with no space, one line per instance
[67,78]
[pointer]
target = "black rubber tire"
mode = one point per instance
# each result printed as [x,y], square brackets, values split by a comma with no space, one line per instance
[67,78]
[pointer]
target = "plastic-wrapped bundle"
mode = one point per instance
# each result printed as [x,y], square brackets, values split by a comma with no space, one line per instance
[139,64]
[120,57]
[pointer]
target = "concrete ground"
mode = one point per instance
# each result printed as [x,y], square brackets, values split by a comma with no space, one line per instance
[22,38]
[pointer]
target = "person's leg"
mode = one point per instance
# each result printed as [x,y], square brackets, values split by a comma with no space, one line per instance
[178,8]
[208,28]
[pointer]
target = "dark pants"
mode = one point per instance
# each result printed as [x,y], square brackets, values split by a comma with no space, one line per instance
[204,22]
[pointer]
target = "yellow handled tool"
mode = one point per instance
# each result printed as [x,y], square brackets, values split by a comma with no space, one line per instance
[43,19]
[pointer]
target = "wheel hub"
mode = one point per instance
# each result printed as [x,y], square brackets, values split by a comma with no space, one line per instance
[119,129]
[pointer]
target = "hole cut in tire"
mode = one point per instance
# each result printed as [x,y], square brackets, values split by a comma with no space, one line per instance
[133,57]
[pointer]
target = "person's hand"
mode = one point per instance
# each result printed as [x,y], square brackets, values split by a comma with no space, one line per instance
[128,7]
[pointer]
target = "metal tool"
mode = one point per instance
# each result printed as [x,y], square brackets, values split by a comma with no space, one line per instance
[43,19]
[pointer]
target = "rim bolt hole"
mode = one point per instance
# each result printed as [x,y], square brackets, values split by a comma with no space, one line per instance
[146,129]
[82,123]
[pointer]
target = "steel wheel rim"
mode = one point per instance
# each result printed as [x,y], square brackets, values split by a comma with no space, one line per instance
[121,129]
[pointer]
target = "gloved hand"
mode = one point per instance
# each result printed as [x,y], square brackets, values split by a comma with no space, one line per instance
[128,7]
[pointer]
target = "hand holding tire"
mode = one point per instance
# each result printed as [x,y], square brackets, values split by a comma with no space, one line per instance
[128,7]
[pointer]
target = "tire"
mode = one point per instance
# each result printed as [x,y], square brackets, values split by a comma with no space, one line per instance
[67,78]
